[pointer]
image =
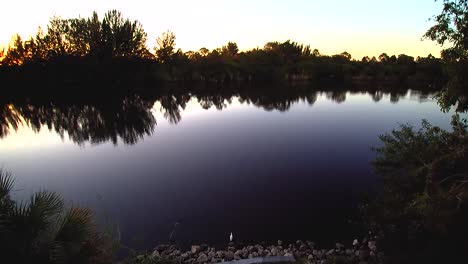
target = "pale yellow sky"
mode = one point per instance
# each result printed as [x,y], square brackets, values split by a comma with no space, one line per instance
[360,27]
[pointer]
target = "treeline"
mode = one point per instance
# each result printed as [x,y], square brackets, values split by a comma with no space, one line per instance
[113,50]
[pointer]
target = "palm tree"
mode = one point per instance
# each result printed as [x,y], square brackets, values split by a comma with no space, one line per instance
[44,231]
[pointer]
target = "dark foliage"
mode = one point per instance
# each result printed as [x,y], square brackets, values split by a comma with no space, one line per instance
[99,54]
[43,230]
[423,209]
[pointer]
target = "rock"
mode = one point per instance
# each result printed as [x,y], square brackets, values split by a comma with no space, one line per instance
[302,247]
[161,248]
[310,244]
[339,246]
[372,245]
[195,249]
[310,257]
[229,256]
[185,256]
[280,242]
[202,258]
[349,252]
[220,254]
[245,254]
[288,255]
[211,254]
[330,252]
[155,254]
[231,249]
[255,255]
[355,242]
[274,252]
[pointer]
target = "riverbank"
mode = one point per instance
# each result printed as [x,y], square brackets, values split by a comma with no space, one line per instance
[360,251]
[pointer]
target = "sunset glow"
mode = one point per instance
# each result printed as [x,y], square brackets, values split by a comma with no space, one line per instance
[363,28]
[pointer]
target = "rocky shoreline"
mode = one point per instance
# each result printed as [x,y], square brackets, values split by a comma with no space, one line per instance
[360,252]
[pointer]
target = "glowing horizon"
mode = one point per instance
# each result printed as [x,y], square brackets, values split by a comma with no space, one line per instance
[362,28]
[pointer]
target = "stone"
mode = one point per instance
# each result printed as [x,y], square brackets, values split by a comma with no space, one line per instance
[229,256]
[348,252]
[155,254]
[231,249]
[330,252]
[372,245]
[310,257]
[310,244]
[288,255]
[274,252]
[280,242]
[302,247]
[202,258]
[355,242]
[339,246]
[195,249]
[161,248]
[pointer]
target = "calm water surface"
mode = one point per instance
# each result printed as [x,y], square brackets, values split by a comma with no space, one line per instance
[294,170]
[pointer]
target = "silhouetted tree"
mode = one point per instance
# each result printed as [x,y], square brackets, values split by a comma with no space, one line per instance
[384,57]
[230,49]
[165,46]
[451,26]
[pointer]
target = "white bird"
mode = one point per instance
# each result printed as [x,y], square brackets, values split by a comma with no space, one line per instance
[231,237]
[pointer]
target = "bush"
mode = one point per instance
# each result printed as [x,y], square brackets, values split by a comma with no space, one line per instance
[423,206]
[44,231]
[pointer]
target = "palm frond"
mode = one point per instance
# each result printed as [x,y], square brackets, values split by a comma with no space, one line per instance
[76,226]
[6,183]
[46,204]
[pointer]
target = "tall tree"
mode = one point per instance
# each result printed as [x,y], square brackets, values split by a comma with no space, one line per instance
[451,26]
[230,49]
[165,46]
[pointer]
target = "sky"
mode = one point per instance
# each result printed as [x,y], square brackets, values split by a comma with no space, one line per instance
[360,27]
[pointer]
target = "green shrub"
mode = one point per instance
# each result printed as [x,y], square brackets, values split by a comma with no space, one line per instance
[44,231]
